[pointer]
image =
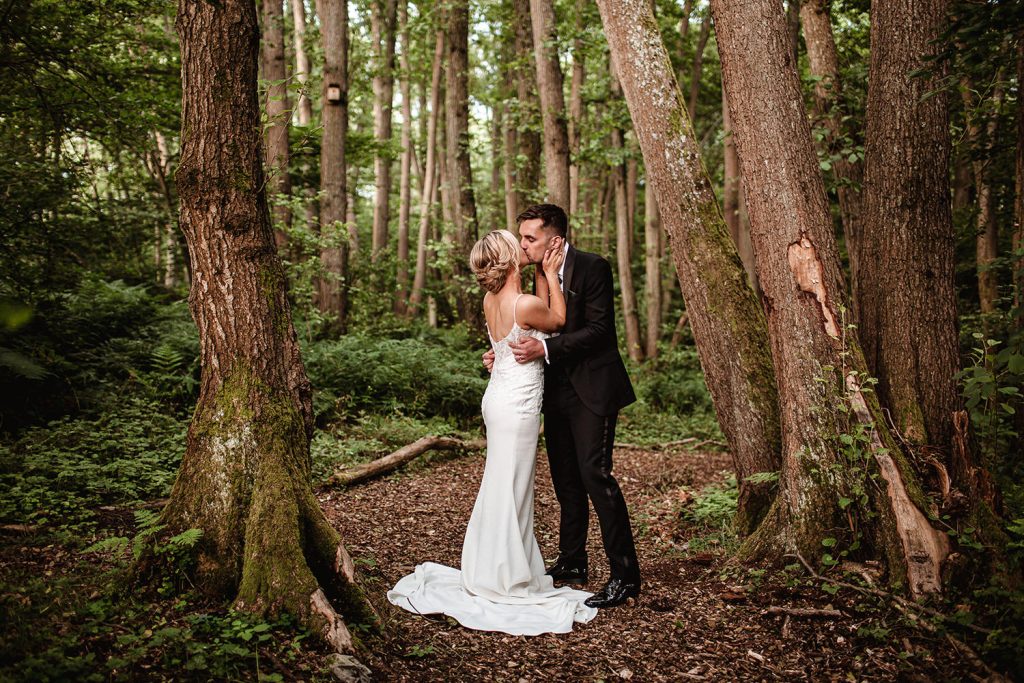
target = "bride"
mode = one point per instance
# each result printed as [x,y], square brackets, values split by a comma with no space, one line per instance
[502,585]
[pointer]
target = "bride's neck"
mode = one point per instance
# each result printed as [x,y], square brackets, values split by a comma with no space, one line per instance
[513,285]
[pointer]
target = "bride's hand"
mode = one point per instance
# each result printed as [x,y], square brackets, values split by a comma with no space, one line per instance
[553,258]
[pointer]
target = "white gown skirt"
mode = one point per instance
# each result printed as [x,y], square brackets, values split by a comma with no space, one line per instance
[502,585]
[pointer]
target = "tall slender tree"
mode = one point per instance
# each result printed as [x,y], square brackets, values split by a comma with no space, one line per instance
[405,179]
[652,268]
[332,294]
[528,111]
[460,177]
[383,16]
[552,102]
[305,104]
[245,477]
[279,114]
[819,369]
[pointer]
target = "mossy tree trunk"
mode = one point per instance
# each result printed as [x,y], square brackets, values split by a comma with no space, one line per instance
[245,477]
[728,323]
[819,368]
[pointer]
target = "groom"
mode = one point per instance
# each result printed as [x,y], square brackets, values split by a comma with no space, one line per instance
[585,387]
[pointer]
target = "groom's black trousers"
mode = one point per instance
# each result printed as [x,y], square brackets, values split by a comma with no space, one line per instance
[579,444]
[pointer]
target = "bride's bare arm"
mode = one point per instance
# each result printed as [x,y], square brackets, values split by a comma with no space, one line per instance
[546,312]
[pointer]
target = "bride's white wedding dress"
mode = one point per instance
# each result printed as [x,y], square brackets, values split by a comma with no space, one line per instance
[502,585]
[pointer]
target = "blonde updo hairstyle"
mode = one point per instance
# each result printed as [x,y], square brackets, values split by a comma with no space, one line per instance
[494,258]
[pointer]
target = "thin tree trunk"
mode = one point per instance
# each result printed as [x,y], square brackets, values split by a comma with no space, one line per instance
[1018,205]
[652,268]
[528,112]
[552,103]
[576,111]
[983,125]
[728,322]
[634,345]
[383,15]
[698,67]
[830,109]
[278,118]
[818,363]
[684,32]
[305,107]
[906,293]
[405,179]
[429,176]
[245,477]
[509,169]
[332,293]
[632,174]
[732,199]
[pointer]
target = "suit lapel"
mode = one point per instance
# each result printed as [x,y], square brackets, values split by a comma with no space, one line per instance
[570,261]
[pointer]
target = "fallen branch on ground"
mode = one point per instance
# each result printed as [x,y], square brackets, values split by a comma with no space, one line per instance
[392,461]
[804,611]
[672,444]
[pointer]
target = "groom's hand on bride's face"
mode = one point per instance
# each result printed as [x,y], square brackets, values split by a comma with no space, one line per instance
[527,350]
[488,359]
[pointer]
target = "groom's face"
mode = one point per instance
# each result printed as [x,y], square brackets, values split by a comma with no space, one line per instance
[535,239]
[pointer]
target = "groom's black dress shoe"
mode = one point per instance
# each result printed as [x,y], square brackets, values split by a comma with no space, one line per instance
[563,572]
[615,592]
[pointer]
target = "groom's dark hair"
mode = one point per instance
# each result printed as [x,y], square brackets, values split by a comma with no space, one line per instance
[552,215]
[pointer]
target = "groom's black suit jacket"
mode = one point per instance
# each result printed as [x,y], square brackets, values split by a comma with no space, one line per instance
[587,349]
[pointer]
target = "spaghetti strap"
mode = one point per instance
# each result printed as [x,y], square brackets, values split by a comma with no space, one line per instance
[515,305]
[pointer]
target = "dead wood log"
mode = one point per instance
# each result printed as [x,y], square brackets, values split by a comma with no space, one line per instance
[392,461]
[804,611]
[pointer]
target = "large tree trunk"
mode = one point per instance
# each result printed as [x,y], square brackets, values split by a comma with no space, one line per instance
[652,268]
[305,107]
[819,368]
[728,322]
[906,295]
[460,176]
[245,476]
[552,103]
[332,295]
[429,179]
[405,180]
[624,236]
[383,15]
[830,109]
[278,118]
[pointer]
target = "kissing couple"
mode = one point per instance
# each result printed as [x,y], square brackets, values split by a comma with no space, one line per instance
[554,353]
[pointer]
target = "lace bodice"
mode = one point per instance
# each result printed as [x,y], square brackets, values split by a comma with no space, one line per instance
[520,386]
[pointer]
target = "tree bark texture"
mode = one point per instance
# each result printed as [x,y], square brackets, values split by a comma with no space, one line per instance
[332,292]
[728,322]
[278,117]
[819,368]
[383,16]
[245,476]
[906,296]
[830,109]
[552,103]
[405,174]
[576,111]
[732,199]
[1018,205]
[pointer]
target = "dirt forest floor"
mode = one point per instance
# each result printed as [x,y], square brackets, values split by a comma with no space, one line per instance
[697,618]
